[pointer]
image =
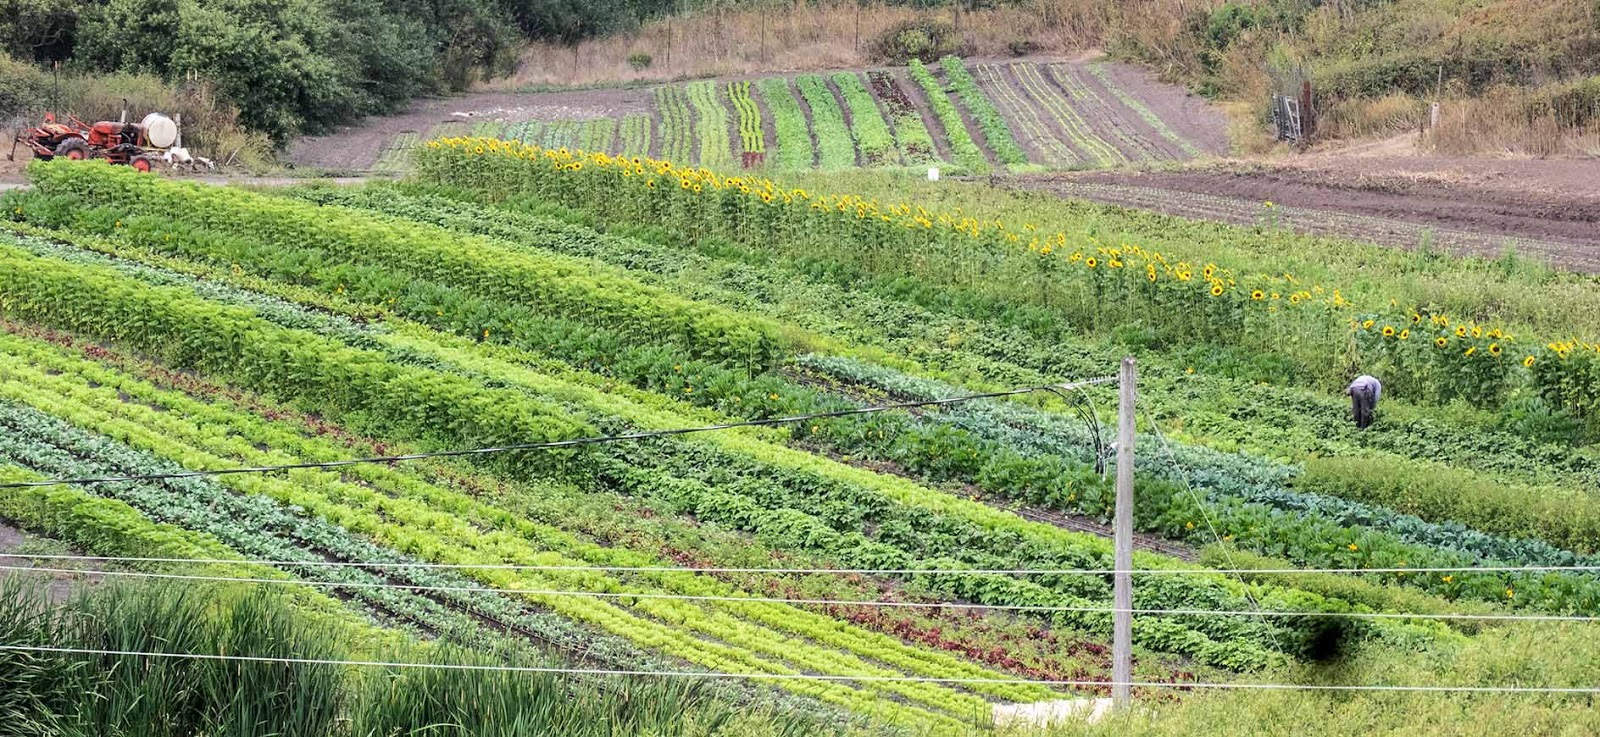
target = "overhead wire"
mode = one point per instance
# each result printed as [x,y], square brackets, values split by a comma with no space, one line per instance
[806,571]
[1575,690]
[645,595]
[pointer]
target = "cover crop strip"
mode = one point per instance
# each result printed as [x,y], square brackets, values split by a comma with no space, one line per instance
[796,149]
[1026,116]
[872,135]
[995,129]
[1066,114]
[965,150]
[711,125]
[835,148]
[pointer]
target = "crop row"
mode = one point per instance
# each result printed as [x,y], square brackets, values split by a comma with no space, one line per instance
[677,128]
[752,136]
[799,462]
[278,226]
[995,129]
[711,125]
[527,131]
[835,148]
[598,134]
[257,527]
[1033,128]
[1066,115]
[916,145]
[955,633]
[966,151]
[1082,97]
[395,510]
[1143,111]
[1063,285]
[789,523]
[872,135]
[795,148]
[635,136]
[1302,421]
[938,454]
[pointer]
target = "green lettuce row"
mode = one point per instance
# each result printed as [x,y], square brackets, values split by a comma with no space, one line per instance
[634,135]
[872,135]
[796,150]
[677,128]
[752,136]
[835,148]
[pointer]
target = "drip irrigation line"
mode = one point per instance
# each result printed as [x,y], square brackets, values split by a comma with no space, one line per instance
[808,571]
[806,602]
[807,676]
[555,444]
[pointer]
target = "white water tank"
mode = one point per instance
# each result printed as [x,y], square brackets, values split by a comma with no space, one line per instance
[159,130]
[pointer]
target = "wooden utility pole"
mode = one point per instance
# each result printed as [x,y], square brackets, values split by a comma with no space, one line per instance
[1122,607]
[858,25]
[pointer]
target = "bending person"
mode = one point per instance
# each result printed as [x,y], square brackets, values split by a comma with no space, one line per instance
[1364,393]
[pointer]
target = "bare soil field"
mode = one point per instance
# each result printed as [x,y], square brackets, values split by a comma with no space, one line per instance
[1544,209]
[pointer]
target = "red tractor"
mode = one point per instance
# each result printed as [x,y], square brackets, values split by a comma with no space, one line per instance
[117,141]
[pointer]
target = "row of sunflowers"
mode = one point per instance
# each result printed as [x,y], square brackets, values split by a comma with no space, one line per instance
[1081,283]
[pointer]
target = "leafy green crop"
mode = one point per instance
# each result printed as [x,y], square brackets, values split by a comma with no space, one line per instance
[995,129]
[835,148]
[966,151]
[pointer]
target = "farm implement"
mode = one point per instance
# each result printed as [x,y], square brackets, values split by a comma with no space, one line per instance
[138,145]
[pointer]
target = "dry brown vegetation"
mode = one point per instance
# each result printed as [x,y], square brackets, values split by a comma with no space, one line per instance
[826,35]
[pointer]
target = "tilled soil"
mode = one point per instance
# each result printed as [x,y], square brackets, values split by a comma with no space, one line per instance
[1480,209]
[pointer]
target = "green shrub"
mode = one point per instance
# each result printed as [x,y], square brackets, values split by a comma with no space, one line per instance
[923,39]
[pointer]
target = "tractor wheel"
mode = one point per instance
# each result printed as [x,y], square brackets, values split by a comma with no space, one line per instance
[142,163]
[73,148]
